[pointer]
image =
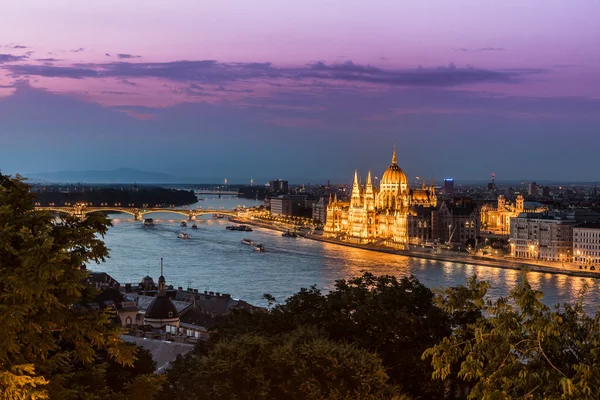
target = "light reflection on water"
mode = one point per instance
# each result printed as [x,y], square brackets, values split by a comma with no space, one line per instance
[213,259]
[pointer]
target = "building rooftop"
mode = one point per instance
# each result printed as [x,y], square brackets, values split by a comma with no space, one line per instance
[589,225]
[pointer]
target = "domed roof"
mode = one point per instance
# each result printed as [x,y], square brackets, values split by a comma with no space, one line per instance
[161,308]
[394,174]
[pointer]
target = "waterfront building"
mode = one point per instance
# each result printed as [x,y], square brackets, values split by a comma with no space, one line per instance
[586,244]
[420,225]
[292,205]
[319,210]
[544,236]
[496,219]
[378,214]
[456,222]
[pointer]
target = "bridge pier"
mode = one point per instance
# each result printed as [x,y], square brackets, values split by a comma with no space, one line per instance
[191,217]
[137,215]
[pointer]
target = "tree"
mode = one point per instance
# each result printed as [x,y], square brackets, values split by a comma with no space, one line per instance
[49,335]
[297,365]
[393,318]
[519,348]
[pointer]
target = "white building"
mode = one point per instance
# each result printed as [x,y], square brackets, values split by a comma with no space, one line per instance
[547,237]
[586,244]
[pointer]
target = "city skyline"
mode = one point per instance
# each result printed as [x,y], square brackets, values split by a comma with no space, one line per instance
[305,90]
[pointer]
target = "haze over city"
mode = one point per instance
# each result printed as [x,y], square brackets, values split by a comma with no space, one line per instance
[304,90]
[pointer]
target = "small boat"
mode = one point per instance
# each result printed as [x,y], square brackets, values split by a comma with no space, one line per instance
[289,234]
[194,226]
[183,224]
[183,235]
[247,242]
[259,248]
[231,228]
[244,228]
[148,222]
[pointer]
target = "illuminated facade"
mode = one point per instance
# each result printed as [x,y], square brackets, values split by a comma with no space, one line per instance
[586,244]
[497,219]
[378,214]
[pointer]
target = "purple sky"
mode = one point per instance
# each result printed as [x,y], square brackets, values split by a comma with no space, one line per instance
[309,89]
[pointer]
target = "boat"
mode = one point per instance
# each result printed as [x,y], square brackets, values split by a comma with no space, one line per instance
[194,226]
[259,248]
[244,228]
[248,242]
[183,235]
[289,234]
[218,216]
[148,222]
[183,224]
[231,228]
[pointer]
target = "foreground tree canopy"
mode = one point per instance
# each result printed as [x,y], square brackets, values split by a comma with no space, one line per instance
[520,348]
[454,345]
[51,343]
[297,365]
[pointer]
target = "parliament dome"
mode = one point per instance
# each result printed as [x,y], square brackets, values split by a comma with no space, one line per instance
[394,175]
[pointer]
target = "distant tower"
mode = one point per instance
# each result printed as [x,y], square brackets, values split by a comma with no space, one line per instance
[251,182]
[225,181]
[520,204]
[492,184]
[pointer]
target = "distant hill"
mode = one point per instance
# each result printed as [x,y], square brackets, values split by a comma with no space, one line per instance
[120,175]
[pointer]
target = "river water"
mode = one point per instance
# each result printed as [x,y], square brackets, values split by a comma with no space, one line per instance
[213,259]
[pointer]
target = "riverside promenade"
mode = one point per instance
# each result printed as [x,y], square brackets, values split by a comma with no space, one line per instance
[445,256]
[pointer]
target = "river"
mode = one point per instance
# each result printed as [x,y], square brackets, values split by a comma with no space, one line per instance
[213,259]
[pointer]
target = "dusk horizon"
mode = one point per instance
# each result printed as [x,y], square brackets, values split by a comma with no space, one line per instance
[223,87]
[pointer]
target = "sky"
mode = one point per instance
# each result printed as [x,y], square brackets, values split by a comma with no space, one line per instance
[304,90]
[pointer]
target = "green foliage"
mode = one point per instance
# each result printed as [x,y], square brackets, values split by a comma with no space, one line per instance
[519,348]
[393,318]
[297,365]
[51,343]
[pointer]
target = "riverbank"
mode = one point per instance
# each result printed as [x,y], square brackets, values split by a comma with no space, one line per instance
[444,257]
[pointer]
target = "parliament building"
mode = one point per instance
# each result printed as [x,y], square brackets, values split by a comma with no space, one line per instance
[384,215]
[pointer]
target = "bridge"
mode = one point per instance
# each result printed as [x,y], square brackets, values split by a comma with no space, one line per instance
[80,210]
[216,192]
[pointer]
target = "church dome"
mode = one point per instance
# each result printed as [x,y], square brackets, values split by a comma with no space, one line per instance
[394,174]
[161,308]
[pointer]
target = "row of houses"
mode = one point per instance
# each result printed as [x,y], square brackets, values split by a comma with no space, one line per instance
[562,236]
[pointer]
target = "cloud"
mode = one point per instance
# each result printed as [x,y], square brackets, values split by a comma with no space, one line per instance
[118,93]
[127,56]
[79,50]
[107,54]
[490,49]
[51,72]
[4,58]
[18,46]
[441,76]
[48,59]
[126,82]
[222,88]
[213,72]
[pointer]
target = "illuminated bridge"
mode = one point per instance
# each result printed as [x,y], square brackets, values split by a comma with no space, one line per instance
[81,211]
